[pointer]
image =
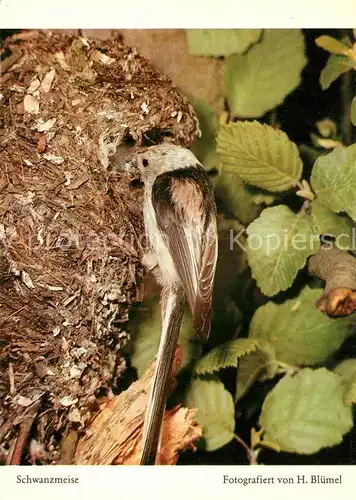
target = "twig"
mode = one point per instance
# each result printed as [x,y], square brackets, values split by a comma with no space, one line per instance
[251,453]
[338,269]
[9,61]
[242,442]
[4,429]
[11,379]
[12,314]
[16,453]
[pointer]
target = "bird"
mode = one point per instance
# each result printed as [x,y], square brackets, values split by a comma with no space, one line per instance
[180,223]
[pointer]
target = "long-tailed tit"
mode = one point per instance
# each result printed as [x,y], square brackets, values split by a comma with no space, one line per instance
[180,222]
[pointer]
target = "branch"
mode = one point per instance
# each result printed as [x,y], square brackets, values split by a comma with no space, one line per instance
[115,435]
[20,442]
[338,269]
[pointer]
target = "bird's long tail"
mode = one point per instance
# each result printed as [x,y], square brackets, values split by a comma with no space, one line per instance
[173,307]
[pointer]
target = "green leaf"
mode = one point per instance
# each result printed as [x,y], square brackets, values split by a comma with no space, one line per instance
[241,200]
[220,42]
[261,79]
[350,393]
[306,412]
[336,65]
[346,369]
[225,355]
[208,119]
[204,147]
[331,45]
[299,332]
[260,155]
[327,222]
[216,411]
[258,365]
[278,245]
[334,180]
[146,330]
[353,111]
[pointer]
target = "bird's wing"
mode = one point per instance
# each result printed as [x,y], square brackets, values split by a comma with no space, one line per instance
[186,214]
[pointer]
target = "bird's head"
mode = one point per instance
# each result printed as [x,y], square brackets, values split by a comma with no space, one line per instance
[164,158]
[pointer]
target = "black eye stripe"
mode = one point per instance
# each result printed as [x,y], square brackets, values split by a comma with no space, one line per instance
[145,162]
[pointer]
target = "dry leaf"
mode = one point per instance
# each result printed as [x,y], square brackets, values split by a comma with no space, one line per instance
[180,432]
[31,104]
[47,81]
[68,401]
[61,61]
[41,144]
[42,126]
[33,86]
[56,160]
[26,278]
[23,401]
[103,58]
[78,182]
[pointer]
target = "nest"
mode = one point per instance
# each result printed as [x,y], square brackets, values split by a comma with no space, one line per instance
[72,109]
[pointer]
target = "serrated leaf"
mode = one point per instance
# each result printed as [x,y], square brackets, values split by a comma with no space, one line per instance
[241,200]
[257,365]
[261,79]
[204,147]
[306,412]
[278,245]
[328,222]
[299,332]
[225,355]
[146,331]
[350,393]
[220,42]
[331,45]
[334,180]
[216,411]
[260,155]
[336,65]
[353,111]
[346,369]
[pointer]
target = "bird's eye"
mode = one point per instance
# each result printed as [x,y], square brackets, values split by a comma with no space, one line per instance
[145,162]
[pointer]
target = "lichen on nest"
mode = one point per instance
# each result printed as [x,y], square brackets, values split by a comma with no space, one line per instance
[70,230]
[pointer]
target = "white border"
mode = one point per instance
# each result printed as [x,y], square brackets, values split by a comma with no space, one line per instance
[178,483]
[92,14]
